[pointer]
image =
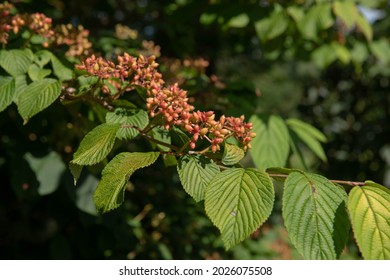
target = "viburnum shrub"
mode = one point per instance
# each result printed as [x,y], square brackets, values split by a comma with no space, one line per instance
[207,149]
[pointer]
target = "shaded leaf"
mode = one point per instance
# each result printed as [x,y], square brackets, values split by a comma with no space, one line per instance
[195,172]
[314,212]
[370,216]
[60,70]
[110,190]
[37,96]
[272,26]
[131,117]
[238,201]
[7,91]
[271,145]
[309,135]
[96,144]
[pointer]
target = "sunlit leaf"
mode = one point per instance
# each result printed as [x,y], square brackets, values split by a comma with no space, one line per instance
[7,91]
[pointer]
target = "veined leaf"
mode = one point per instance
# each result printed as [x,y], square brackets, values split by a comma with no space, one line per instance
[195,172]
[232,154]
[7,91]
[314,212]
[309,135]
[16,62]
[161,135]
[369,208]
[111,188]
[36,73]
[238,201]
[271,145]
[20,86]
[96,144]
[37,96]
[60,70]
[41,58]
[132,117]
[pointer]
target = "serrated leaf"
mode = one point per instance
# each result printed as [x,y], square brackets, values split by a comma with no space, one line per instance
[131,117]
[370,217]
[161,135]
[232,154]
[96,144]
[314,212]
[347,11]
[110,190]
[16,62]
[195,172]
[271,145]
[60,70]
[37,96]
[35,73]
[238,201]
[7,91]
[308,135]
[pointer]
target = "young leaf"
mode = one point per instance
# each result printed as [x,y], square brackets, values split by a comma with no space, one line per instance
[132,117]
[111,188]
[271,146]
[60,70]
[37,96]
[16,62]
[238,201]
[314,212]
[370,217]
[309,135]
[195,172]
[232,154]
[96,144]
[7,91]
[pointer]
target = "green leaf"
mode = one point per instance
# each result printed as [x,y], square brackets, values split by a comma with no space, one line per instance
[314,212]
[324,56]
[48,170]
[364,27]
[16,62]
[75,169]
[35,73]
[346,11]
[271,145]
[309,135]
[96,144]
[131,117]
[20,86]
[43,57]
[273,26]
[7,91]
[318,18]
[232,154]
[238,201]
[370,217]
[110,190]
[238,21]
[195,172]
[60,70]
[161,135]
[381,49]
[37,96]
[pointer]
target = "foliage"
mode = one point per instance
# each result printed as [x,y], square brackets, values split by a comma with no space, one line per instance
[137,119]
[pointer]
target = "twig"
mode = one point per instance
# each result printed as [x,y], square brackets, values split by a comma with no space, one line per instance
[350,183]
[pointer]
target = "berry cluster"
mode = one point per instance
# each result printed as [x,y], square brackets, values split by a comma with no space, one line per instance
[170,103]
[39,24]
